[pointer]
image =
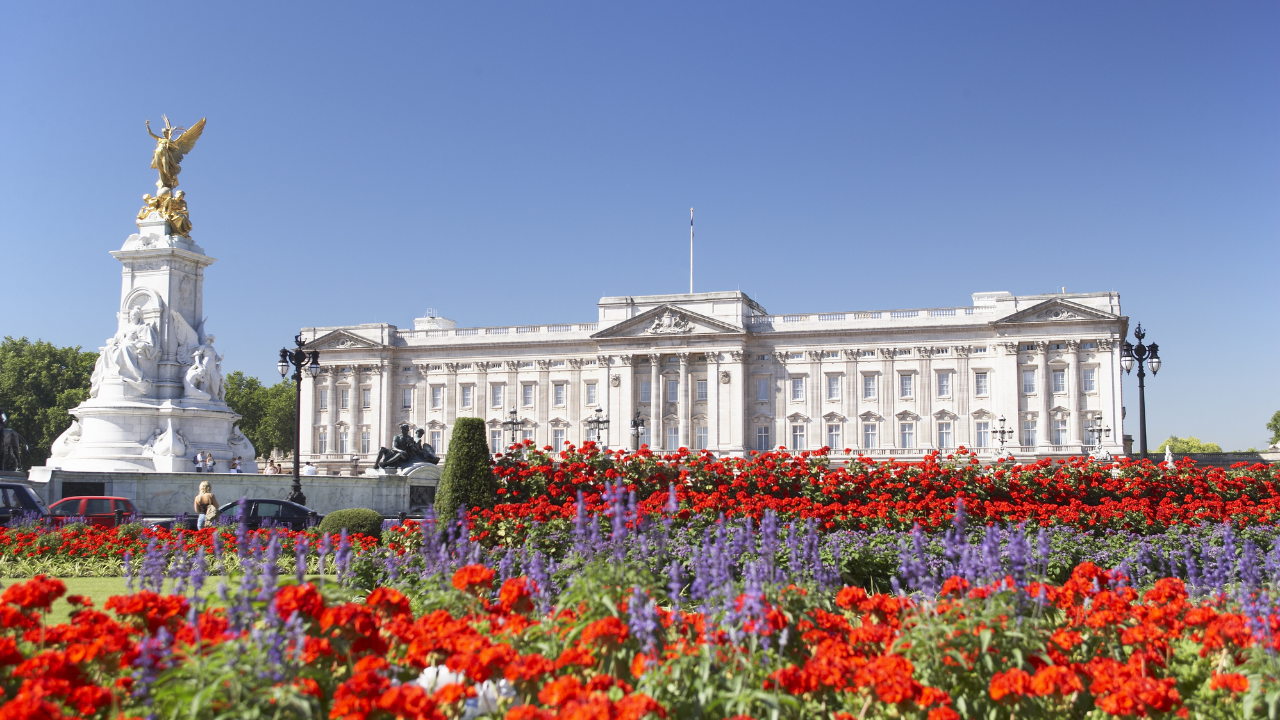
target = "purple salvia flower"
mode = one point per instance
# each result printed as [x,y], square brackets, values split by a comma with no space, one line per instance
[301,549]
[326,544]
[675,585]
[343,556]
[643,622]
[196,575]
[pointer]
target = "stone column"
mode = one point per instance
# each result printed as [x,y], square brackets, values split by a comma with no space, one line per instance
[450,403]
[740,438]
[384,406]
[888,399]
[960,391]
[781,401]
[309,416]
[620,425]
[852,391]
[604,395]
[542,399]
[1006,392]
[713,401]
[927,432]
[1074,421]
[656,437]
[331,422]
[684,400]
[1044,423]
[575,401]
[815,396]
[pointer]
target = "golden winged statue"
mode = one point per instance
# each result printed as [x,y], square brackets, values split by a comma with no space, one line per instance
[172,144]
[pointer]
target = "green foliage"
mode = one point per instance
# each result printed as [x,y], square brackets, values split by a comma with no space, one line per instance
[1274,427]
[39,383]
[130,530]
[268,413]
[356,520]
[75,527]
[1189,445]
[468,480]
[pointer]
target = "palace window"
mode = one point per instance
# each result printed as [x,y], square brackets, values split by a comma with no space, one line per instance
[1089,380]
[1060,431]
[364,442]
[944,435]
[833,436]
[437,397]
[797,389]
[944,385]
[700,437]
[466,396]
[1028,432]
[868,386]
[324,399]
[762,438]
[406,398]
[869,431]
[797,437]
[982,434]
[526,436]
[762,389]
[526,395]
[591,393]
[437,441]
[1029,382]
[906,385]
[322,442]
[673,437]
[645,437]
[344,399]
[907,435]
[366,399]
[702,389]
[833,388]
[1088,346]
[646,391]
[980,384]
[673,391]
[559,395]
[496,392]
[342,442]
[557,439]
[1059,381]
[495,442]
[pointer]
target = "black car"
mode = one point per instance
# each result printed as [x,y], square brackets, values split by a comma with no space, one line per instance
[17,500]
[263,512]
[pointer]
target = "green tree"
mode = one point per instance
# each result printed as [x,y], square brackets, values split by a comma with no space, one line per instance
[468,480]
[39,383]
[267,413]
[1274,427]
[1189,445]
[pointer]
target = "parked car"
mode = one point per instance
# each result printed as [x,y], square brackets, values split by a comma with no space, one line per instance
[17,499]
[95,509]
[262,512]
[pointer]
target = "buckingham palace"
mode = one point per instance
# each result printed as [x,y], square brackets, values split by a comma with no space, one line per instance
[716,371]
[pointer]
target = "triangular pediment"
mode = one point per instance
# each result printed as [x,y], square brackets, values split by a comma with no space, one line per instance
[668,321]
[1056,311]
[341,340]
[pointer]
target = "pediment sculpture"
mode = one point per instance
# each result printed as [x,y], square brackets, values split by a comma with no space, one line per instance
[669,323]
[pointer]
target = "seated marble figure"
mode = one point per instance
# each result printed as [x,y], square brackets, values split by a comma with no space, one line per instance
[406,451]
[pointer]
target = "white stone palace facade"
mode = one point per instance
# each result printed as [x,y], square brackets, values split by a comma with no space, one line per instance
[716,371]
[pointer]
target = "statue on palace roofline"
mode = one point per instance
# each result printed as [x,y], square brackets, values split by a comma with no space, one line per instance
[172,144]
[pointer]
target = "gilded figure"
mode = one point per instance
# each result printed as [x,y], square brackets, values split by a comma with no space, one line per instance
[174,209]
[172,144]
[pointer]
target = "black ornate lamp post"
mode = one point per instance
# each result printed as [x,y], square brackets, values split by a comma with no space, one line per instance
[512,424]
[637,424]
[1142,355]
[597,423]
[1002,434]
[1096,434]
[299,359]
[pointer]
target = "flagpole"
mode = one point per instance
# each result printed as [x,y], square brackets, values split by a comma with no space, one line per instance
[690,251]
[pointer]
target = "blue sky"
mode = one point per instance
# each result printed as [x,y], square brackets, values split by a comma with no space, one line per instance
[511,163]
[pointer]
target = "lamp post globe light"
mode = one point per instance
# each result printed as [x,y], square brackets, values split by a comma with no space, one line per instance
[512,425]
[637,424]
[1002,434]
[1141,355]
[597,423]
[298,359]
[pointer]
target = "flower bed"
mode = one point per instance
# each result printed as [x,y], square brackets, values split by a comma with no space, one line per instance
[1126,495]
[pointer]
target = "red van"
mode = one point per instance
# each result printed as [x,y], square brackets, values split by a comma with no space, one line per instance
[95,510]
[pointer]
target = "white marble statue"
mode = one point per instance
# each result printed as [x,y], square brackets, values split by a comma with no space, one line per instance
[131,355]
[149,447]
[169,443]
[203,380]
[66,442]
[240,445]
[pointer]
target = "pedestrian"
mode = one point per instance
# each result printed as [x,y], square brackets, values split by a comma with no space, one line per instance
[206,505]
[308,469]
[199,461]
[210,463]
[235,464]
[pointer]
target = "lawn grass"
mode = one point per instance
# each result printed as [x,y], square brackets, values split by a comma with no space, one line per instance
[99,589]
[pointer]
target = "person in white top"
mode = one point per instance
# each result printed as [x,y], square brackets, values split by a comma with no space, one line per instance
[235,465]
[199,461]
[308,469]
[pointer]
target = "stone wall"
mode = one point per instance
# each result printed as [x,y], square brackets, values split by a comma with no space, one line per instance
[167,494]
